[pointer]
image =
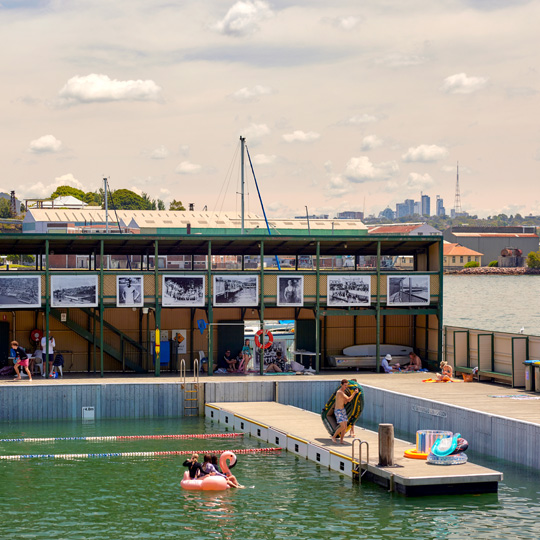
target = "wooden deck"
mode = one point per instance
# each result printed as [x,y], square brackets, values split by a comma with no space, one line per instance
[303,433]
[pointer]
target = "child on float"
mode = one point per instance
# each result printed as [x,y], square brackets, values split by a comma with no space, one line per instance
[212,469]
[194,467]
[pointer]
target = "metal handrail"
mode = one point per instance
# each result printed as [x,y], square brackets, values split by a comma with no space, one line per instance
[360,443]
[183,372]
[196,372]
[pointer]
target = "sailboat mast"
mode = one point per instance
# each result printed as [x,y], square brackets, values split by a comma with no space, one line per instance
[242,143]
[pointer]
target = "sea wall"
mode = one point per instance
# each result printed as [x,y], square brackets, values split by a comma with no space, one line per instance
[496,271]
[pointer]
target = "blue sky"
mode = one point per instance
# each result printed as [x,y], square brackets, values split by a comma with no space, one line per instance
[345,106]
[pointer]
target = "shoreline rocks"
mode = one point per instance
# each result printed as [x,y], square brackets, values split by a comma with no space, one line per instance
[496,271]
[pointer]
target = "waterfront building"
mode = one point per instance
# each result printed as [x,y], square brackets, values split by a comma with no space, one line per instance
[491,241]
[457,256]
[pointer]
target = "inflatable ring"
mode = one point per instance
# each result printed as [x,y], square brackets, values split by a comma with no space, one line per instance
[415,454]
[36,335]
[258,342]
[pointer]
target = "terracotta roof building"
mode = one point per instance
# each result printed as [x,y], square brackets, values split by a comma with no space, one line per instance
[455,256]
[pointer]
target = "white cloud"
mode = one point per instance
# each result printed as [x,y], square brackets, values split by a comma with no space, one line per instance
[371,141]
[262,159]
[419,182]
[301,136]
[251,94]
[98,88]
[48,144]
[425,153]
[160,153]
[338,186]
[361,169]
[359,119]
[344,23]
[186,167]
[243,18]
[461,84]
[39,190]
[255,132]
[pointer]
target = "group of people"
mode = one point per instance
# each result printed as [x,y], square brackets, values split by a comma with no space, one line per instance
[22,360]
[235,364]
[415,364]
[209,467]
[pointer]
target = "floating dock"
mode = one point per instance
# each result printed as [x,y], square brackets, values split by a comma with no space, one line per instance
[302,433]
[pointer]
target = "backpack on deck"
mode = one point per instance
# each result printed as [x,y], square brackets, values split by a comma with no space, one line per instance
[58,360]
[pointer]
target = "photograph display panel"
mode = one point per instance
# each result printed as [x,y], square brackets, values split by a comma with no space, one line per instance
[290,291]
[236,290]
[20,291]
[182,291]
[129,291]
[408,291]
[74,291]
[348,290]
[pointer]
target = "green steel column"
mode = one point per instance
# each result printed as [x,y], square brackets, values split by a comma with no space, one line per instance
[210,313]
[261,311]
[318,307]
[101,309]
[47,307]
[378,311]
[157,305]
[440,306]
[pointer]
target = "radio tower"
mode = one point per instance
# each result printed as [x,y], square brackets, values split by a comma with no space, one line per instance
[457,200]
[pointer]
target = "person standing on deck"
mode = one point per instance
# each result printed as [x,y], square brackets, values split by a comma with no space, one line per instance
[339,410]
[48,352]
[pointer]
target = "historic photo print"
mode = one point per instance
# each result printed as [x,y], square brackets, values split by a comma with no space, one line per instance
[290,291]
[20,291]
[349,290]
[236,290]
[74,291]
[129,291]
[408,291]
[182,291]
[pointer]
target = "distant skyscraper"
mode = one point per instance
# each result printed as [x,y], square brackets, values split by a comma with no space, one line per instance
[439,209]
[417,208]
[426,205]
[350,215]
[457,200]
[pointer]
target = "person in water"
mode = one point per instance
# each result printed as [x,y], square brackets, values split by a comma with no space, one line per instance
[210,469]
[194,467]
[339,410]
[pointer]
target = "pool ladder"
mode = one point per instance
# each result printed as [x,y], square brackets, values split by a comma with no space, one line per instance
[191,389]
[357,466]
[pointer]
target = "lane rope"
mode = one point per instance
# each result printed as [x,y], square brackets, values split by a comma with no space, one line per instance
[129,437]
[141,454]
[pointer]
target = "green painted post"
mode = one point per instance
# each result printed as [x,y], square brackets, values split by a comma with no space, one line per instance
[261,310]
[210,313]
[378,311]
[47,308]
[157,305]
[318,307]
[101,308]
[440,304]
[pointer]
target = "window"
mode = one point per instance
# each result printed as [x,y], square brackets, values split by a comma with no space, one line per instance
[461,259]
[469,257]
[453,259]
[445,260]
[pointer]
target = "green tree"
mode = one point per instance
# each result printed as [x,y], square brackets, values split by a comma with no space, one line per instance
[21,259]
[177,205]
[160,205]
[533,259]
[124,199]
[94,198]
[64,191]
[471,264]
[5,209]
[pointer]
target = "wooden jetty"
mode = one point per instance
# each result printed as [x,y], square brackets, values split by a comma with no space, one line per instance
[302,432]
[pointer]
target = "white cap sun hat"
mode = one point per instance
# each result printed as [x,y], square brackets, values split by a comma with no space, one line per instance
[388,357]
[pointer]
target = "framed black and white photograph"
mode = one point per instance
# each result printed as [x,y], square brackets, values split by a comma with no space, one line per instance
[74,291]
[181,291]
[290,290]
[236,290]
[20,292]
[129,291]
[348,290]
[408,291]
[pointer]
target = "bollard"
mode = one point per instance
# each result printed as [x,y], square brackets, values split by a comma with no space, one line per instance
[386,445]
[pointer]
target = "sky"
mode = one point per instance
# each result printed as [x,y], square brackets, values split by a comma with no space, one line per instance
[344,105]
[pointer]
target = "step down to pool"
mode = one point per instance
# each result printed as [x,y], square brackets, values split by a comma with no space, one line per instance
[302,433]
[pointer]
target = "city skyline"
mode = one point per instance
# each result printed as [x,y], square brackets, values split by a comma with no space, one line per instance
[345,107]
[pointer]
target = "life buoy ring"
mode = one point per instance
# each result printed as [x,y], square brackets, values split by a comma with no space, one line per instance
[268,335]
[36,335]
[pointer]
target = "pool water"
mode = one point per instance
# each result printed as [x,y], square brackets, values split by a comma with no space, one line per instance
[286,497]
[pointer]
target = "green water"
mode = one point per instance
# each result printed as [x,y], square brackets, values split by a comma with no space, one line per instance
[286,497]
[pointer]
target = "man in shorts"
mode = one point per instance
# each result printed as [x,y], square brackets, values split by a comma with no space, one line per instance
[339,410]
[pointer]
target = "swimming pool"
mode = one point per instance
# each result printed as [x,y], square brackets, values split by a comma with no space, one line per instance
[286,497]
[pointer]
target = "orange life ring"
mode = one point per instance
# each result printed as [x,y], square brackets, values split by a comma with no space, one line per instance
[268,334]
[414,454]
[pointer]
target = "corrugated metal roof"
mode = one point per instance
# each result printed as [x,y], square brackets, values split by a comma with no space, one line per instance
[495,235]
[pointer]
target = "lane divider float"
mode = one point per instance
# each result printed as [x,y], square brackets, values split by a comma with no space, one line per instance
[129,437]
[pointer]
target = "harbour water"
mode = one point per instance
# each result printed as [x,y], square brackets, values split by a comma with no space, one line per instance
[285,497]
[501,303]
